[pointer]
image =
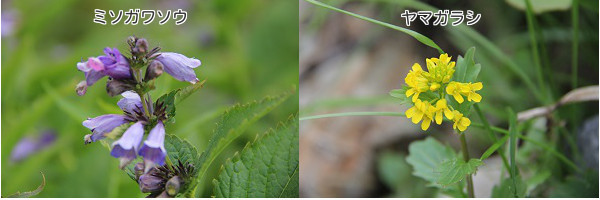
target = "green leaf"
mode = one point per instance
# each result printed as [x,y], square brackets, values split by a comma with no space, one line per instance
[425,156]
[455,170]
[541,6]
[507,189]
[421,38]
[30,193]
[466,70]
[267,168]
[232,124]
[168,100]
[493,148]
[180,150]
[187,91]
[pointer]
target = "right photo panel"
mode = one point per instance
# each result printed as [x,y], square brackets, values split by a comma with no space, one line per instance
[454,99]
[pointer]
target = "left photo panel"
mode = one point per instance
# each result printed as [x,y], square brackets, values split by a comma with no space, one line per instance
[131,99]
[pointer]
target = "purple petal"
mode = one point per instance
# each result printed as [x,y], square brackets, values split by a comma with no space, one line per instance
[127,145]
[179,66]
[131,101]
[103,124]
[153,149]
[116,65]
[29,145]
[23,149]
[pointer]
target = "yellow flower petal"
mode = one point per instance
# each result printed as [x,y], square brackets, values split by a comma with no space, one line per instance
[425,124]
[438,117]
[448,114]
[475,97]
[477,86]
[458,98]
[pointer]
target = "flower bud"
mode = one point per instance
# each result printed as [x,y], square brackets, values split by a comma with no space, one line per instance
[138,170]
[153,71]
[81,88]
[131,40]
[115,87]
[150,183]
[173,185]
[141,46]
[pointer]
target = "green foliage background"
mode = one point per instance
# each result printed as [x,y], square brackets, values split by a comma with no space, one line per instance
[248,49]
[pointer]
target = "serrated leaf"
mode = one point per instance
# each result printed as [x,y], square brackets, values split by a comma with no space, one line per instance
[30,193]
[168,100]
[455,170]
[232,124]
[506,188]
[425,156]
[181,150]
[187,91]
[267,168]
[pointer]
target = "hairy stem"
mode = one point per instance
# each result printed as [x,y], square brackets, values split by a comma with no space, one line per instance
[465,151]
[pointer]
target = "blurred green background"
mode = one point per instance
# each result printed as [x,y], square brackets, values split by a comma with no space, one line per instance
[248,49]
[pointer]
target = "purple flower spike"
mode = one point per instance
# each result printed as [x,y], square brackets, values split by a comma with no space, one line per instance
[126,148]
[103,124]
[179,66]
[130,102]
[23,149]
[115,65]
[30,145]
[153,149]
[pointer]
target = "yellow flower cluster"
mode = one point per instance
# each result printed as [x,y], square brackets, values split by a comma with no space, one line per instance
[437,78]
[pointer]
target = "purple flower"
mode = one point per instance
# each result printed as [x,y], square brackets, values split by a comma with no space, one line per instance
[153,149]
[115,65]
[130,102]
[179,66]
[111,64]
[30,145]
[103,124]
[127,146]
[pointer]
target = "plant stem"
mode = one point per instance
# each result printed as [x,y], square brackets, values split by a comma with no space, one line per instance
[465,151]
[575,42]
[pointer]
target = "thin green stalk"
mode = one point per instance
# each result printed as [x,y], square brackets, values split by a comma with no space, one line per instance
[575,43]
[465,151]
[534,49]
[421,38]
[512,129]
[492,135]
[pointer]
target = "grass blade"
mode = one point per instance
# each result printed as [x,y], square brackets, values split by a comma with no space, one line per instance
[421,38]
[534,49]
[492,136]
[512,129]
[493,148]
[575,42]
